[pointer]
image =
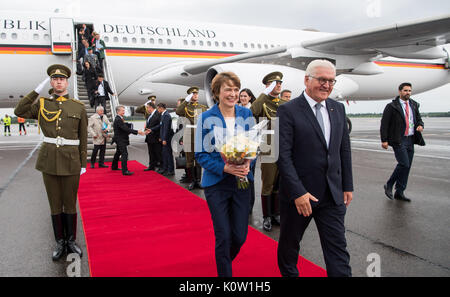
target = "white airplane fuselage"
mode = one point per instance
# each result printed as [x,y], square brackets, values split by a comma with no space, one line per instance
[138,50]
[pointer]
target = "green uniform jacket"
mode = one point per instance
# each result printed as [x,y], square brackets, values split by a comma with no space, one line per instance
[142,109]
[71,124]
[190,110]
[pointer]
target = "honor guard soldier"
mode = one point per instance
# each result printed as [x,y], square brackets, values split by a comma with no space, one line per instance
[266,106]
[143,109]
[191,109]
[62,156]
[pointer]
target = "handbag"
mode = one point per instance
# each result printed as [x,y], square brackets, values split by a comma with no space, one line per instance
[180,162]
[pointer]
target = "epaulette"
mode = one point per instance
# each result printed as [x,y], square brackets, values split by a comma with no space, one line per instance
[77,101]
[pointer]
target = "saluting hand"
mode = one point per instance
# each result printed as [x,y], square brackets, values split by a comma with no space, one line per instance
[303,205]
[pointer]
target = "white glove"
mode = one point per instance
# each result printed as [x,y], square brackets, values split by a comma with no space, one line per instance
[270,88]
[42,85]
[83,171]
[146,103]
[189,97]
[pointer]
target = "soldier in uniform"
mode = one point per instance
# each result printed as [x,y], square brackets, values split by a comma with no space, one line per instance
[266,106]
[62,157]
[191,109]
[143,108]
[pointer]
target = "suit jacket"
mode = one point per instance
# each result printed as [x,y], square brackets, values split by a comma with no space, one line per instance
[305,162]
[106,87]
[393,123]
[153,124]
[166,131]
[121,131]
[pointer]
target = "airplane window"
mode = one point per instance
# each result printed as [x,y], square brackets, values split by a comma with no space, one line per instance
[193,42]
[46,37]
[185,42]
[106,38]
[14,36]
[3,35]
[35,36]
[252,45]
[231,44]
[266,46]
[208,43]
[160,41]
[169,41]
[142,40]
[216,43]
[272,45]
[116,39]
[124,40]
[152,41]
[259,45]
[245,45]
[200,42]
[224,44]
[133,40]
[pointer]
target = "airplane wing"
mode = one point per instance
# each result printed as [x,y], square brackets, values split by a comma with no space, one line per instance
[426,32]
[414,39]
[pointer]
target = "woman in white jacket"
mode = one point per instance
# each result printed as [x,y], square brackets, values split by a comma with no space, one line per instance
[98,128]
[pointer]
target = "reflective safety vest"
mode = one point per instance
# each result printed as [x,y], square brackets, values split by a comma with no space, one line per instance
[20,120]
[7,121]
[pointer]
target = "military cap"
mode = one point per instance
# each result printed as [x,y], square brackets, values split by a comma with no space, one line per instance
[58,70]
[193,90]
[90,48]
[152,97]
[273,76]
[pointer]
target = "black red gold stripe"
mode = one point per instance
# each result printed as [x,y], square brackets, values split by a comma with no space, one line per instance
[409,64]
[168,53]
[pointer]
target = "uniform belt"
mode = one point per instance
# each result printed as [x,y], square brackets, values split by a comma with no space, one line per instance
[61,141]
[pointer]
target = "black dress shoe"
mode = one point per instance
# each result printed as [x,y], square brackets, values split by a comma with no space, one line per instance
[401,197]
[149,168]
[102,166]
[388,191]
[267,224]
[92,165]
[169,173]
[127,173]
[59,250]
[276,220]
[161,171]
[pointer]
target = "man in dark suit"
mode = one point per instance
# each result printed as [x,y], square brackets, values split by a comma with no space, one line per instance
[401,127]
[102,91]
[121,138]
[315,172]
[166,134]
[152,139]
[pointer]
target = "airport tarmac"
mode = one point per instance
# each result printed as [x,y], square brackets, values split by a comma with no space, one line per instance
[409,239]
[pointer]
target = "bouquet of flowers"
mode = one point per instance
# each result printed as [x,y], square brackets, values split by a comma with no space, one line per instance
[238,148]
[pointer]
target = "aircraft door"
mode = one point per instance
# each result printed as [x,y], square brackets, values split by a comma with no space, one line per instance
[61,31]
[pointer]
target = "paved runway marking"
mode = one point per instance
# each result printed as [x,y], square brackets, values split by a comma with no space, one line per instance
[391,152]
[13,175]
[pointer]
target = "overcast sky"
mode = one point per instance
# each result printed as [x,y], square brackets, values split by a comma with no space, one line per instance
[323,15]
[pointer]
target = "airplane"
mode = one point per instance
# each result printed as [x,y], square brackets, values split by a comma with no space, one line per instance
[163,58]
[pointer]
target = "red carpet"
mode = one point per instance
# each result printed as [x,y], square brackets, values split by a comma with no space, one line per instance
[146,225]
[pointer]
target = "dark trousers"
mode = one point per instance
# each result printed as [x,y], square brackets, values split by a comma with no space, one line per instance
[102,149]
[100,100]
[8,128]
[62,192]
[404,154]
[229,209]
[22,126]
[167,157]
[154,154]
[121,151]
[329,219]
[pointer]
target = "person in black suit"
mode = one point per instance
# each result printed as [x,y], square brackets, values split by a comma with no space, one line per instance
[121,132]
[166,134]
[102,91]
[152,125]
[315,172]
[401,127]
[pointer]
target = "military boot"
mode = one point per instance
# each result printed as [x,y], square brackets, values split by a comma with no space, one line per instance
[276,209]
[267,211]
[58,230]
[198,176]
[70,225]
[191,173]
